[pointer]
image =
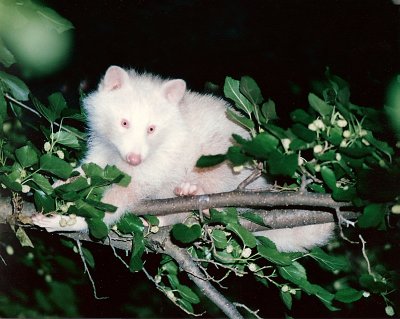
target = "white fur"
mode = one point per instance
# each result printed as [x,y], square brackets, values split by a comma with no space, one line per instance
[187,125]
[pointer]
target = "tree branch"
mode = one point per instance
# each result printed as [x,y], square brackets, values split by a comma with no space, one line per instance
[285,209]
[161,243]
[238,198]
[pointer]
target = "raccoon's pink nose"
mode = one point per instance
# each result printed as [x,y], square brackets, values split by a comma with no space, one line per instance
[134,159]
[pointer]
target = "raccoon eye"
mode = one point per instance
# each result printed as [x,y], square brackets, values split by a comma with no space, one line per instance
[125,123]
[151,129]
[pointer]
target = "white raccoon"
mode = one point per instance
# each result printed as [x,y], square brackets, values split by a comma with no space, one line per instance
[155,130]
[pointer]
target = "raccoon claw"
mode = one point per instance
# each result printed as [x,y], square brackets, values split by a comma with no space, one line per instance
[186,189]
[53,223]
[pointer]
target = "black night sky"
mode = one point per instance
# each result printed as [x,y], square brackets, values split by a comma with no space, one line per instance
[283,44]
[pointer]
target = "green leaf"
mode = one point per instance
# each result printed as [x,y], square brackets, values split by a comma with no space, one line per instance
[115,175]
[43,301]
[130,223]
[53,20]
[286,298]
[371,284]
[55,165]
[62,294]
[26,156]
[224,257]
[246,236]
[92,169]
[232,91]
[244,121]
[282,164]
[236,156]
[219,238]
[335,135]
[6,57]
[301,116]
[88,257]
[274,256]
[261,146]
[295,273]
[188,294]
[210,160]
[43,183]
[44,202]
[356,151]
[136,262]
[168,265]
[173,280]
[348,295]
[380,145]
[151,220]
[332,263]
[255,218]
[10,184]
[186,234]
[298,144]
[329,177]
[18,88]
[98,229]
[249,88]
[269,111]
[319,105]
[102,206]
[373,216]
[3,107]
[23,238]
[344,195]
[76,185]
[304,133]
[43,110]
[86,210]
[57,103]
[187,306]
[226,216]
[67,139]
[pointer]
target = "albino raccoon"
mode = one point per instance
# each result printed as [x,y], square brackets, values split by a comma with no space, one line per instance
[155,131]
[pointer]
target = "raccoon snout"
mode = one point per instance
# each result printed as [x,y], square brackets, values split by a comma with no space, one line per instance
[133,159]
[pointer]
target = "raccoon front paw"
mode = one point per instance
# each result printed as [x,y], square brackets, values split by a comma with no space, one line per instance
[53,223]
[188,189]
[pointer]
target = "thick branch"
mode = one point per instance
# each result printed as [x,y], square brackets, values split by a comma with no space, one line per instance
[237,199]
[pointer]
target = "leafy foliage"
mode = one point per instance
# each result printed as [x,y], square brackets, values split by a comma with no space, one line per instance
[334,143]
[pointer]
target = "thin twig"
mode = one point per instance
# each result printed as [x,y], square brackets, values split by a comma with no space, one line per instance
[2,259]
[116,255]
[252,177]
[78,242]
[254,313]
[9,97]
[364,252]
[347,222]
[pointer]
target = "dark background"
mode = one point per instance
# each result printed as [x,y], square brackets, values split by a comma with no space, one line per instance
[283,44]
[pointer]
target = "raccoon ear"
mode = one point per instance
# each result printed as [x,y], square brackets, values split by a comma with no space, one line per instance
[174,90]
[114,78]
